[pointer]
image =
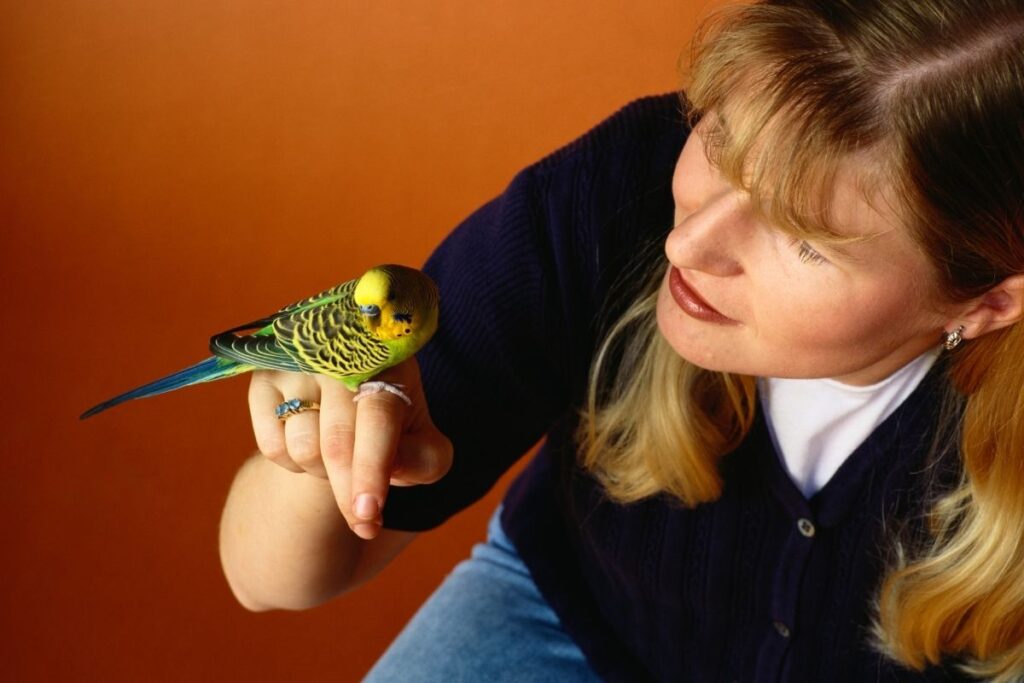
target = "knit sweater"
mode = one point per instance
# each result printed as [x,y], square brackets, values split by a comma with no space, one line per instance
[759,585]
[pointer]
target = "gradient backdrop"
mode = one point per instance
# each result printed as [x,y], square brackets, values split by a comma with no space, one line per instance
[170,169]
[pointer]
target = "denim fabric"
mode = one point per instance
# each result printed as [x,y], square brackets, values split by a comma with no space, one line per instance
[486,622]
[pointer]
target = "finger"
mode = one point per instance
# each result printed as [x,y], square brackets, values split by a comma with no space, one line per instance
[268,430]
[422,458]
[302,430]
[302,435]
[337,434]
[379,421]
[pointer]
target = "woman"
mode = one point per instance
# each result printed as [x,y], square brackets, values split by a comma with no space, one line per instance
[792,451]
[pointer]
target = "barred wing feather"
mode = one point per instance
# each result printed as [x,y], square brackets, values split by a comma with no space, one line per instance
[261,351]
[332,340]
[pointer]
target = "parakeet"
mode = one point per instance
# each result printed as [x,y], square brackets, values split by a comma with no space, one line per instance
[350,332]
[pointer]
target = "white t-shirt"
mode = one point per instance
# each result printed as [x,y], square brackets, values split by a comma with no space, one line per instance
[817,423]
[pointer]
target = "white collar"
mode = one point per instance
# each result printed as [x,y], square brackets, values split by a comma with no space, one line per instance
[816,424]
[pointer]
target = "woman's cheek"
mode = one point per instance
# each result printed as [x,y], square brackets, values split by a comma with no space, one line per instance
[801,312]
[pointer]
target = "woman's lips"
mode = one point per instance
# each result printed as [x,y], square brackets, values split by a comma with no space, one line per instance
[691,302]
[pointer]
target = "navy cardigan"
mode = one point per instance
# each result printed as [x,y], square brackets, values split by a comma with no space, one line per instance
[760,585]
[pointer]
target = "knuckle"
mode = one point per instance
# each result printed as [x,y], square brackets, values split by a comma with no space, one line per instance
[285,463]
[271,446]
[260,378]
[435,459]
[307,459]
[317,470]
[282,460]
[304,447]
[422,469]
[445,447]
[338,440]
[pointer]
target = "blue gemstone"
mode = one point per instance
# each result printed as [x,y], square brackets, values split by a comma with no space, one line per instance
[288,407]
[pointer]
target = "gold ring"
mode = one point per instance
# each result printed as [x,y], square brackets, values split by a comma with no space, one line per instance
[293,407]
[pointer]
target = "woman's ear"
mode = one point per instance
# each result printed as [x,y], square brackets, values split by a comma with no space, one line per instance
[997,308]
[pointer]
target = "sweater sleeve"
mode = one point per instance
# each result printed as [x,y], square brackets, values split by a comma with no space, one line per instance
[522,281]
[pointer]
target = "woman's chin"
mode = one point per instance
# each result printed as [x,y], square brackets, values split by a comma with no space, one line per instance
[687,340]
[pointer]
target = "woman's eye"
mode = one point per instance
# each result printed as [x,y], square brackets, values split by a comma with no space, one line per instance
[807,254]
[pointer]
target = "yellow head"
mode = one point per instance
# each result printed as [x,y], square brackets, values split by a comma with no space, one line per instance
[397,302]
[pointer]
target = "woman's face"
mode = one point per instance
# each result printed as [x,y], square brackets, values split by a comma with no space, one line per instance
[791,309]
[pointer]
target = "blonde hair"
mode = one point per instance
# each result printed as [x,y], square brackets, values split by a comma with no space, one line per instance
[932,91]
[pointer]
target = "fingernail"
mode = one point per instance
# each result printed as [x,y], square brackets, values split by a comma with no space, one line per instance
[366,531]
[366,506]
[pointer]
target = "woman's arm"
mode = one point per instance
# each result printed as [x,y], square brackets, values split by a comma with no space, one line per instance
[292,534]
[284,544]
[521,280]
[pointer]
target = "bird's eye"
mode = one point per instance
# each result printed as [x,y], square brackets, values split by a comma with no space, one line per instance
[370,310]
[403,317]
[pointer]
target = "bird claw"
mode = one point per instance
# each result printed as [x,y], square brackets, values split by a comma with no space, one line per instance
[368,388]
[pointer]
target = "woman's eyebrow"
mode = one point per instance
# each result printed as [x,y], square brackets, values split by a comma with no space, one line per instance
[853,250]
[844,252]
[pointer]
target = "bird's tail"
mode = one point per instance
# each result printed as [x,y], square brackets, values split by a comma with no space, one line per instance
[211,369]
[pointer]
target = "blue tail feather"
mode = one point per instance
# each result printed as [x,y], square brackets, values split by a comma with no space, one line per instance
[212,368]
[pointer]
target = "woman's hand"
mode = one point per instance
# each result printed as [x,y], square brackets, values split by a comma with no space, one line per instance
[359,447]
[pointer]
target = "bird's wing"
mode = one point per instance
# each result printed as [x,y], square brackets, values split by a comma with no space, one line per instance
[261,348]
[342,292]
[331,339]
[264,325]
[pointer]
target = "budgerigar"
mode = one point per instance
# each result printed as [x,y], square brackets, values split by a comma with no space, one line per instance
[350,332]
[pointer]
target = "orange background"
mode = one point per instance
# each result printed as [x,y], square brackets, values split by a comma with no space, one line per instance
[170,169]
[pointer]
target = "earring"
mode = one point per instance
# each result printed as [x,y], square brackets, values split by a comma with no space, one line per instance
[953,338]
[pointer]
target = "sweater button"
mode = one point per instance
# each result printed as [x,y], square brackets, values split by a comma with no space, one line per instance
[805,526]
[782,629]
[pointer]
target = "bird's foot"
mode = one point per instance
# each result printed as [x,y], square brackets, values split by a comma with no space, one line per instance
[367,388]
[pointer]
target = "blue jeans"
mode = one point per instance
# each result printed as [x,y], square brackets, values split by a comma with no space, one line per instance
[486,622]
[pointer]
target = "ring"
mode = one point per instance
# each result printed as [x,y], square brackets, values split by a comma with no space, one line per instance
[293,407]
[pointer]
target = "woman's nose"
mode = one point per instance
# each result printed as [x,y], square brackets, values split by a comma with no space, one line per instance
[710,236]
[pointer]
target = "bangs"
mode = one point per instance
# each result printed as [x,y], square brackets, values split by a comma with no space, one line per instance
[783,109]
